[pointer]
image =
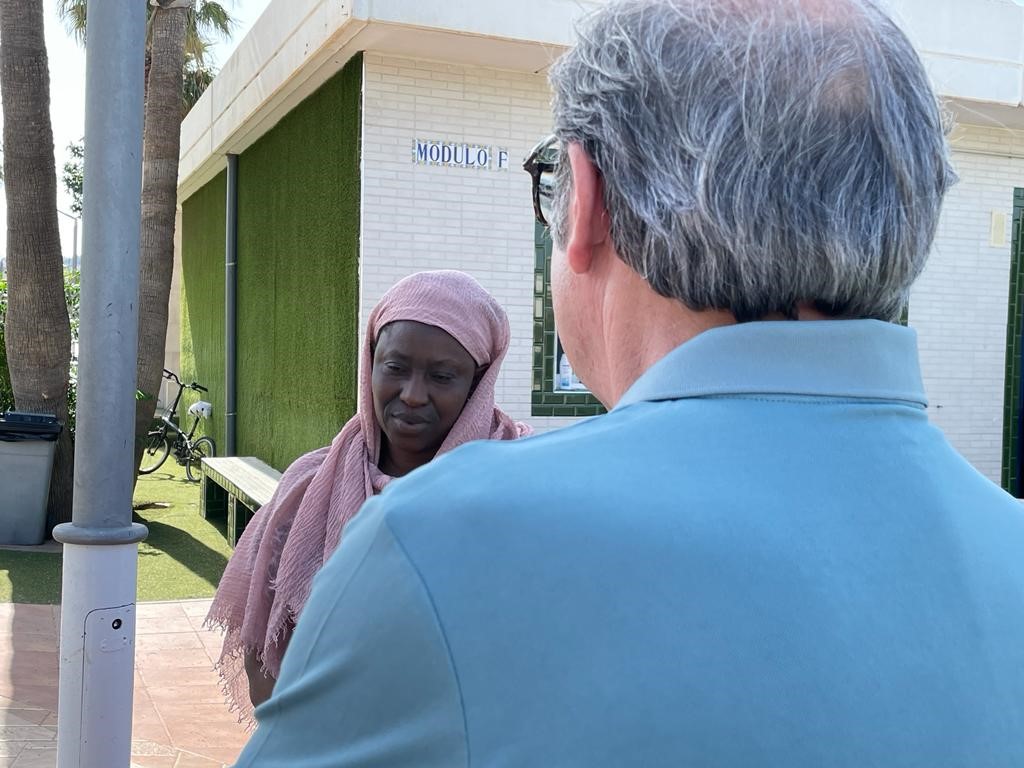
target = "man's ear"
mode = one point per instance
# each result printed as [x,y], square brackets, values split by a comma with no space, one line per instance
[588,218]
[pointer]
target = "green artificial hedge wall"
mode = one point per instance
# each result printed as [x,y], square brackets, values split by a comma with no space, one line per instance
[298,277]
[202,301]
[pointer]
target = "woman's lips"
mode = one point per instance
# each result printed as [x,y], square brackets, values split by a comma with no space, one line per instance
[410,425]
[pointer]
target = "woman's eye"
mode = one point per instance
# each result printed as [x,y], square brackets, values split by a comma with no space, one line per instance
[444,378]
[394,368]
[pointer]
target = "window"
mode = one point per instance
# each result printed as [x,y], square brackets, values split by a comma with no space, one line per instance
[556,390]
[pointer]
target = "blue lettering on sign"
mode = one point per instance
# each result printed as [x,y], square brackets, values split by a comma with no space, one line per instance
[459,155]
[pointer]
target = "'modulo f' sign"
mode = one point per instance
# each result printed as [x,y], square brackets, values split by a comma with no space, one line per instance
[453,154]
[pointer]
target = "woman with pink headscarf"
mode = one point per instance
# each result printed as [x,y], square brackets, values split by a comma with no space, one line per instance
[428,367]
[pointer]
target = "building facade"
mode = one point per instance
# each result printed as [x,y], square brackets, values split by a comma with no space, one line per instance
[377,139]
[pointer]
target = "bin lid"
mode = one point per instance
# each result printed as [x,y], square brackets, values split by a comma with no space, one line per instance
[16,426]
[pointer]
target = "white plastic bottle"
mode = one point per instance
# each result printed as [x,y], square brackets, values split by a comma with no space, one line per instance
[564,373]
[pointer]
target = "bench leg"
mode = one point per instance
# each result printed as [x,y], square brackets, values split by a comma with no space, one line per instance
[213,500]
[239,516]
[242,517]
[232,524]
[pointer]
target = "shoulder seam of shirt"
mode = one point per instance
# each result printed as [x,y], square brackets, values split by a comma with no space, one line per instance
[440,628]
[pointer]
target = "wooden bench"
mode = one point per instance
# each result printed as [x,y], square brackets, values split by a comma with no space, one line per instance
[235,487]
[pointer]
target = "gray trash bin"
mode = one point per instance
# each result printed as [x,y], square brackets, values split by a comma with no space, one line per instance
[27,444]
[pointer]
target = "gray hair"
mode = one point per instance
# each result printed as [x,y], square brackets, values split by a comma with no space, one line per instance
[758,154]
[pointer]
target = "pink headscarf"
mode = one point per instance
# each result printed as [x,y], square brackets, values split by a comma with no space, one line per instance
[268,579]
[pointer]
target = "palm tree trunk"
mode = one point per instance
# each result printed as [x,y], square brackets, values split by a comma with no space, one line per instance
[161,142]
[37,333]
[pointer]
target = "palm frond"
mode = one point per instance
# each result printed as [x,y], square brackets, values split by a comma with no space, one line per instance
[195,51]
[212,18]
[206,21]
[73,14]
[196,78]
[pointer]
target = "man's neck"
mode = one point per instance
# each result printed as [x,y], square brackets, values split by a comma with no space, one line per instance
[635,343]
[636,340]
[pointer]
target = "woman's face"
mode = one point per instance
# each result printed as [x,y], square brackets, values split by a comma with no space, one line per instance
[421,380]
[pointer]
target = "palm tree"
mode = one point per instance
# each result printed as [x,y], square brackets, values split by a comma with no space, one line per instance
[177,40]
[205,21]
[37,333]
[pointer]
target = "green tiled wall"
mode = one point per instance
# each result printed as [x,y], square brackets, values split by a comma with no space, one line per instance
[547,402]
[1012,398]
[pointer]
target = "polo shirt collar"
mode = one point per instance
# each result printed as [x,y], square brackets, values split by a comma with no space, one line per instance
[862,359]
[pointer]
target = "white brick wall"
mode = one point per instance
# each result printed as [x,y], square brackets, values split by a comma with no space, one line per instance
[417,217]
[959,305]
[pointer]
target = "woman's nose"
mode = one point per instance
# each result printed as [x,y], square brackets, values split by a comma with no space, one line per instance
[414,391]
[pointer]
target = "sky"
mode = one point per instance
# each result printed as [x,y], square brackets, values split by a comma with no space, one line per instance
[67,96]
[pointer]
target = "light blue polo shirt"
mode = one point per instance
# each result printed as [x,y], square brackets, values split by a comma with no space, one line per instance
[764,556]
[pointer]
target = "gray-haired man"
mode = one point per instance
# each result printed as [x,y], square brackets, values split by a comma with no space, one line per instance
[764,555]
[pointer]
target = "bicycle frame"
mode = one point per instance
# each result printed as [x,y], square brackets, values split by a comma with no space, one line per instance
[168,438]
[165,419]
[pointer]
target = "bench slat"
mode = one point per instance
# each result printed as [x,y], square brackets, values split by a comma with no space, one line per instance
[246,477]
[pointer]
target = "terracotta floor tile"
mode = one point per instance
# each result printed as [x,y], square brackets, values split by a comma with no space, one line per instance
[30,668]
[27,733]
[154,761]
[174,694]
[167,641]
[172,658]
[159,626]
[179,714]
[22,716]
[151,732]
[213,647]
[196,607]
[146,721]
[36,696]
[186,760]
[219,755]
[177,674]
[37,758]
[11,748]
[149,748]
[196,622]
[28,618]
[172,611]
[16,642]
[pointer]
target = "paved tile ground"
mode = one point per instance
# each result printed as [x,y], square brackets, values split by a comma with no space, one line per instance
[180,718]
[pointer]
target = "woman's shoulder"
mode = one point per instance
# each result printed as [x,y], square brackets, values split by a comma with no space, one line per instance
[306,463]
[284,504]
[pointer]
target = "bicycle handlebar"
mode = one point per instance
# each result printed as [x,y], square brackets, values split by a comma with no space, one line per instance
[174,377]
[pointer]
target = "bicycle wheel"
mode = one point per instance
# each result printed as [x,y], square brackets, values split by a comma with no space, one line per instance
[155,452]
[201,448]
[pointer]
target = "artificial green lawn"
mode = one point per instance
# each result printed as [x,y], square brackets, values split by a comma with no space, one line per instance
[184,555]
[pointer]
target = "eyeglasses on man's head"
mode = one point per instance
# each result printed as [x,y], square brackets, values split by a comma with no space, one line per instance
[541,164]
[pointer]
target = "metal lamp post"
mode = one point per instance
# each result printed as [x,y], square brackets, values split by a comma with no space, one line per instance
[97,633]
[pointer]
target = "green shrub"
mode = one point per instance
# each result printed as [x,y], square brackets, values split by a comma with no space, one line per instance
[71,293]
